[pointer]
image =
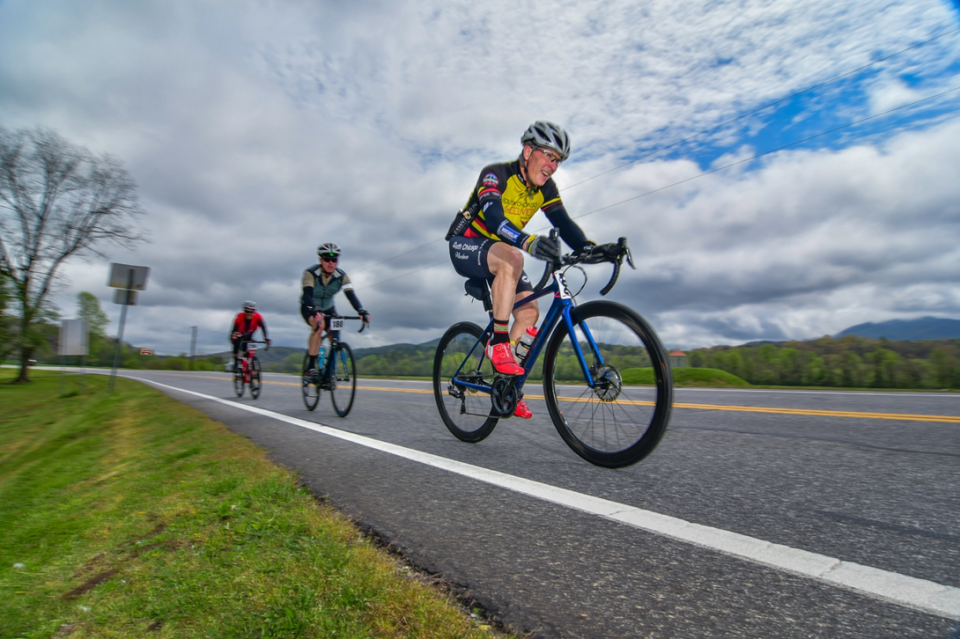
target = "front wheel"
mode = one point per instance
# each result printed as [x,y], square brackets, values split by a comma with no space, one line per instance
[621,417]
[462,379]
[255,378]
[309,387]
[343,379]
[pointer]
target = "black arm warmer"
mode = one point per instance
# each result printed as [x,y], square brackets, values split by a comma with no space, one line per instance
[496,222]
[354,301]
[307,298]
[569,231]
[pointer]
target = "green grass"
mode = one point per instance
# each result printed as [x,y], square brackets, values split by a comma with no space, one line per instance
[132,515]
[708,377]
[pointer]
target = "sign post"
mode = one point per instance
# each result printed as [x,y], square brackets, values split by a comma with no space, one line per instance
[129,279]
[73,341]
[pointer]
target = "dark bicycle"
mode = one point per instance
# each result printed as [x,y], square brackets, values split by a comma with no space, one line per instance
[249,371]
[606,376]
[336,371]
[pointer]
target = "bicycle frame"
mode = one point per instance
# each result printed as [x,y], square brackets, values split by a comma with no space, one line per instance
[248,349]
[559,311]
[333,337]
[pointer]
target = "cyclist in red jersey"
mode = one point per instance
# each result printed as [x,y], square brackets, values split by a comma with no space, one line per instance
[245,324]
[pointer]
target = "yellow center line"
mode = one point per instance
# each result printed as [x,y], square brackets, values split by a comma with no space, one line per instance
[950,419]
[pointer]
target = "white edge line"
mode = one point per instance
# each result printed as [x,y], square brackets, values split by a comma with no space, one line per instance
[920,594]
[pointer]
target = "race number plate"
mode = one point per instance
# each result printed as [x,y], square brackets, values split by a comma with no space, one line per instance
[336,324]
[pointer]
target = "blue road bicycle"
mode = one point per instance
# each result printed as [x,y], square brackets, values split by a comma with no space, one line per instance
[606,376]
[337,372]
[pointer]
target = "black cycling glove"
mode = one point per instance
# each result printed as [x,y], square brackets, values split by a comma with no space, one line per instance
[543,248]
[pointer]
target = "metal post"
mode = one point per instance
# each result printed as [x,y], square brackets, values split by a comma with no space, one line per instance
[123,319]
[193,347]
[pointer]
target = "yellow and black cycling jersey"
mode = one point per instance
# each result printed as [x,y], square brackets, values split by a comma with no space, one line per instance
[504,204]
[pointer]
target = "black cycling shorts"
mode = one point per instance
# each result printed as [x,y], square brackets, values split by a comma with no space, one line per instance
[469,257]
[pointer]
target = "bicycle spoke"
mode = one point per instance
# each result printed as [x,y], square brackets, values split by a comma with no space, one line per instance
[610,423]
[465,411]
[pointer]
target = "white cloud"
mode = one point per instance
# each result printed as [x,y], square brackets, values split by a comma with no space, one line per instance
[257,130]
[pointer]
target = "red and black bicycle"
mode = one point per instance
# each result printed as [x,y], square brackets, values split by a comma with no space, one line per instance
[248,372]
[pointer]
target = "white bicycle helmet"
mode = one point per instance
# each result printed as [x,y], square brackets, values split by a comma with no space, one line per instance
[547,134]
[328,249]
[249,306]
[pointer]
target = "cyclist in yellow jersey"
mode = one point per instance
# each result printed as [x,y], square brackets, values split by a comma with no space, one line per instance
[505,198]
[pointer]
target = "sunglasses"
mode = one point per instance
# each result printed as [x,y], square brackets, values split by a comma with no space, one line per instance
[550,155]
[329,259]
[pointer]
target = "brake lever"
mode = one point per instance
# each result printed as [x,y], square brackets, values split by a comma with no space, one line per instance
[625,251]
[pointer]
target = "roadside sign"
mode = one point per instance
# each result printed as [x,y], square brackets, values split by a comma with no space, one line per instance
[125,297]
[146,351]
[73,337]
[128,276]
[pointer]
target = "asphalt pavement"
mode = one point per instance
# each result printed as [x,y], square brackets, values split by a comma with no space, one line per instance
[761,514]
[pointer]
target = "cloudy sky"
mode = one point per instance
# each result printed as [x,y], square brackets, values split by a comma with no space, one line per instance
[783,170]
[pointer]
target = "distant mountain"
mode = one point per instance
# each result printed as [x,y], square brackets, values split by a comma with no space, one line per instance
[925,328]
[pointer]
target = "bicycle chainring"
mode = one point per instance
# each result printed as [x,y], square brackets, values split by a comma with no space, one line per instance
[504,396]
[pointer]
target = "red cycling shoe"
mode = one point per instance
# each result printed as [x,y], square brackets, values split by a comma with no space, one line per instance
[522,411]
[501,356]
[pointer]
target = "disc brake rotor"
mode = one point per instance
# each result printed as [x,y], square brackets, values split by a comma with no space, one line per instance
[607,383]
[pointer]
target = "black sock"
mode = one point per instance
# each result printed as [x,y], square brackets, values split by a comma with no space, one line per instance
[501,331]
[312,363]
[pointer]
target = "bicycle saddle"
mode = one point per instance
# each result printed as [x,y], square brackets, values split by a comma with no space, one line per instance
[479,289]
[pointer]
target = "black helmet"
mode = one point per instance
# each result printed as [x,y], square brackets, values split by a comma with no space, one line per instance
[547,134]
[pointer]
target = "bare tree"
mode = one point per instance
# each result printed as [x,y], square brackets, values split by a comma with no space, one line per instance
[57,201]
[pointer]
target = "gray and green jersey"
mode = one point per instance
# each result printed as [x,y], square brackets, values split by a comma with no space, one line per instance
[324,287]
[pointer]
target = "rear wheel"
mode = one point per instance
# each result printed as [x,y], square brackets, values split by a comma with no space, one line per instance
[309,387]
[255,378]
[238,380]
[465,410]
[343,379]
[621,418]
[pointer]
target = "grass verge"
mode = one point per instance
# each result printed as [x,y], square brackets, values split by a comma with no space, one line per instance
[131,515]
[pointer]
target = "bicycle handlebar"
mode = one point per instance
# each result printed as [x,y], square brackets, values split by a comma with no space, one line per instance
[256,341]
[349,317]
[595,255]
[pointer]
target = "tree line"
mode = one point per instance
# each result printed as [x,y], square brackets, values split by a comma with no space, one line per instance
[845,362]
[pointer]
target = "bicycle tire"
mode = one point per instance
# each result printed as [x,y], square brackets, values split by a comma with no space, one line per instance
[309,389]
[238,381]
[255,378]
[613,424]
[343,379]
[468,416]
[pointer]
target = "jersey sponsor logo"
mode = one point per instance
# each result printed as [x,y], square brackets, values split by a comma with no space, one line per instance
[490,179]
[504,230]
[460,246]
